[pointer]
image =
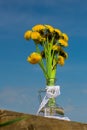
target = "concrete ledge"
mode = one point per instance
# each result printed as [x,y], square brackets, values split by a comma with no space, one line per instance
[22,121]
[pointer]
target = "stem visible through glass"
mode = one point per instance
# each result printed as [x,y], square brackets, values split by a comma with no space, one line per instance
[51,82]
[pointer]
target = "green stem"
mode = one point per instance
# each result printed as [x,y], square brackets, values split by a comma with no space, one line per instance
[51,102]
[42,67]
[41,63]
[49,68]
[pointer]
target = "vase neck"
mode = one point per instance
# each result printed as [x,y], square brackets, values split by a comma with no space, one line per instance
[50,81]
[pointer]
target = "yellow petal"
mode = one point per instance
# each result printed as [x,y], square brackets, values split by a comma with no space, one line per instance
[34,58]
[58,32]
[65,36]
[50,28]
[27,34]
[38,27]
[63,42]
[56,47]
[35,36]
[61,60]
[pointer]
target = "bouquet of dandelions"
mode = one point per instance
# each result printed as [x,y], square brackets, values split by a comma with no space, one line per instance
[50,43]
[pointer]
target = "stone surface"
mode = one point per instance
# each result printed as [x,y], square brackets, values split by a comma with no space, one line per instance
[10,120]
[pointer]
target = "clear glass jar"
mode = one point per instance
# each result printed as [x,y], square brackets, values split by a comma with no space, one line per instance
[51,108]
[52,111]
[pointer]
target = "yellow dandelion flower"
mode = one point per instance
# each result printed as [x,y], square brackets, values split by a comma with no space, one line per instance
[56,48]
[27,34]
[50,28]
[63,54]
[66,55]
[38,27]
[40,40]
[61,60]
[63,42]
[35,36]
[34,58]
[58,32]
[65,37]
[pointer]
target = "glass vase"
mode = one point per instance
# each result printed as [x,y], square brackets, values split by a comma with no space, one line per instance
[51,108]
[50,83]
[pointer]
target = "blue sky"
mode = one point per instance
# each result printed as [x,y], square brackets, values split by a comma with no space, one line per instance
[19,80]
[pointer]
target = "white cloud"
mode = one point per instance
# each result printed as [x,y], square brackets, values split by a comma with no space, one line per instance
[84,91]
[22,99]
[11,95]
